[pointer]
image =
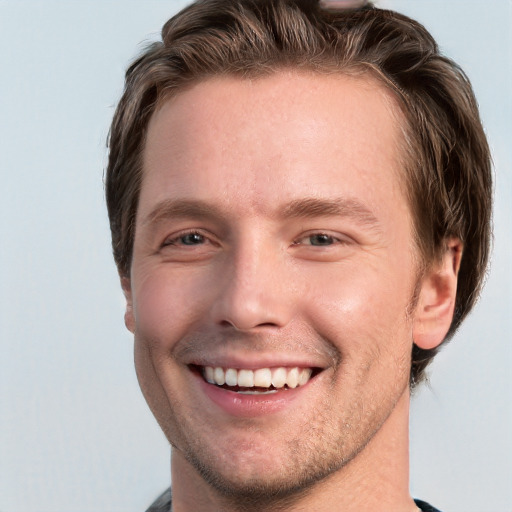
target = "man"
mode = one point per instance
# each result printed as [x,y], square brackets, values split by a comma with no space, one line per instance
[299,198]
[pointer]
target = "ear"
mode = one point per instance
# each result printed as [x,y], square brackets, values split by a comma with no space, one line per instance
[436,300]
[129,319]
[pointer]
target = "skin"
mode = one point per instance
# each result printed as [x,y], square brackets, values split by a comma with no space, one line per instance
[295,243]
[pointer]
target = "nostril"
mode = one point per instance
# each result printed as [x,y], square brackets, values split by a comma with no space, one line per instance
[240,326]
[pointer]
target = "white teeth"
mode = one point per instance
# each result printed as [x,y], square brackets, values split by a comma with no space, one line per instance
[219,376]
[263,378]
[209,374]
[231,377]
[305,375]
[245,378]
[292,379]
[260,378]
[279,377]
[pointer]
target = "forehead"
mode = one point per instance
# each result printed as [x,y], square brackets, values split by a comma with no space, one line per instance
[282,135]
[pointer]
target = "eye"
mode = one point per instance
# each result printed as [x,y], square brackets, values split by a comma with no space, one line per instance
[323,246]
[321,239]
[318,240]
[189,246]
[190,238]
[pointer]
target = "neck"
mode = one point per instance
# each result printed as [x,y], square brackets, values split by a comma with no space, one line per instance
[376,479]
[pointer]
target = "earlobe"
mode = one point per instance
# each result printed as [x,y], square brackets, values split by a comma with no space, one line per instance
[436,299]
[129,319]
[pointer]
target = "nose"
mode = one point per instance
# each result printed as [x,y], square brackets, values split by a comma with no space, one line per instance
[256,290]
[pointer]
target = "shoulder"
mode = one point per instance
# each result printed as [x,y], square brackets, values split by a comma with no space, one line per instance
[162,503]
[425,507]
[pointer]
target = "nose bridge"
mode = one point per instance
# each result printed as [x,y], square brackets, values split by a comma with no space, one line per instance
[254,291]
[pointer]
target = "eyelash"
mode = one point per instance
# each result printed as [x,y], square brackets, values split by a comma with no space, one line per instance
[333,240]
[175,240]
[178,239]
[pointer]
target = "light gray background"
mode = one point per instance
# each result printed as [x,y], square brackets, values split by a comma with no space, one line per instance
[75,433]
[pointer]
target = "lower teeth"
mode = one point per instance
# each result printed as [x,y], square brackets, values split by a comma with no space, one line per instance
[252,391]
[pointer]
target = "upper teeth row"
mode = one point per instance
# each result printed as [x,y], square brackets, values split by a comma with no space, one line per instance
[262,378]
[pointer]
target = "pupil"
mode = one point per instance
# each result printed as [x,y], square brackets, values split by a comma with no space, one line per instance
[321,240]
[192,239]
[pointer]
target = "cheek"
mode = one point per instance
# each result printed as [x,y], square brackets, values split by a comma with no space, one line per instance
[165,306]
[359,306]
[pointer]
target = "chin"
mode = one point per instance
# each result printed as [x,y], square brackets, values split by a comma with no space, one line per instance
[262,474]
[257,488]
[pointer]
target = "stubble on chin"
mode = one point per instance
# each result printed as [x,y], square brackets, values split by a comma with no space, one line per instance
[318,451]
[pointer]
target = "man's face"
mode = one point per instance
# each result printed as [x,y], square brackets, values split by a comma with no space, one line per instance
[273,241]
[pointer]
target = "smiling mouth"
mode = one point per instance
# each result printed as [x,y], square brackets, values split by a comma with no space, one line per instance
[258,381]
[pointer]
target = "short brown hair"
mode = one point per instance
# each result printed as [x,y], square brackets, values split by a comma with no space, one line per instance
[447,160]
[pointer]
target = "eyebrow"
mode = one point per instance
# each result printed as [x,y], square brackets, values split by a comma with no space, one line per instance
[172,208]
[342,207]
[309,207]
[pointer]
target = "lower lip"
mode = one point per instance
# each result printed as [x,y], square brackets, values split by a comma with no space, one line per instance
[247,406]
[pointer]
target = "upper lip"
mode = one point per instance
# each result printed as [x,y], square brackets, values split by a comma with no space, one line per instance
[232,350]
[253,362]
